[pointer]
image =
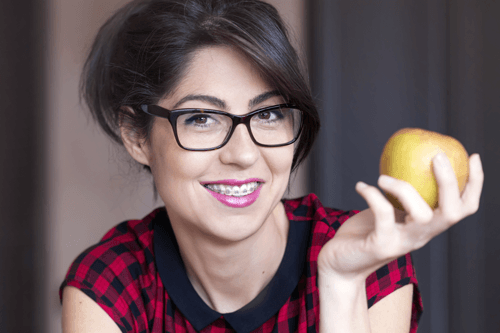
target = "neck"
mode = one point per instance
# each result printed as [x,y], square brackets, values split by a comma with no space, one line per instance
[228,276]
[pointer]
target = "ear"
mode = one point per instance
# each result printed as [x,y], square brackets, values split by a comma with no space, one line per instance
[137,149]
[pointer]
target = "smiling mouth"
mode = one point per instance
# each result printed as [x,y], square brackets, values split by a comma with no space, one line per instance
[234,191]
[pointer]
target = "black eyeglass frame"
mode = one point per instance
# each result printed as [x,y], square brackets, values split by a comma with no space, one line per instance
[172,116]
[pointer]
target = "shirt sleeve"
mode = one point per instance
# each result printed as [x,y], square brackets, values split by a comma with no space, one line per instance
[102,274]
[390,278]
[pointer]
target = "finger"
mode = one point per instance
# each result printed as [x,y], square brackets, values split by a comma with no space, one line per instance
[417,209]
[448,192]
[472,192]
[379,205]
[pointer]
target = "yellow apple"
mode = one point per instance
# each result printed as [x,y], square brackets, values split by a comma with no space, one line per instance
[408,155]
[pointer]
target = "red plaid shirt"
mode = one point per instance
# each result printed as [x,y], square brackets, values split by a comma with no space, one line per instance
[143,285]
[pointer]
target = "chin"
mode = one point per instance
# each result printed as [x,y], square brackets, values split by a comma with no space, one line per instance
[235,229]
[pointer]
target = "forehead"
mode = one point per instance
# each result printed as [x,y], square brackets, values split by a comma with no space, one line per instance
[224,73]
[221,60]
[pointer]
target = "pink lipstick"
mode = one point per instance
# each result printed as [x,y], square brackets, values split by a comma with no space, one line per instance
[234,182]
[227,194]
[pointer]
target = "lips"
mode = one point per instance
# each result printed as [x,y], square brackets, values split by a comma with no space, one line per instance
[235,193]
[233,182]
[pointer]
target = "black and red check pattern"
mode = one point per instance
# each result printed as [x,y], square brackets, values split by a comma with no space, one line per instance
[143,293]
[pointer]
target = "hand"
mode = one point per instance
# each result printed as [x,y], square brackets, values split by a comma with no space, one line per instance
[379,235]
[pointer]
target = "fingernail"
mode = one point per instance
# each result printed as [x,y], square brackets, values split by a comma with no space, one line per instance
[361,185]
[386,180]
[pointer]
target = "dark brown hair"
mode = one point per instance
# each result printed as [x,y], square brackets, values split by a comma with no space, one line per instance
[141,53]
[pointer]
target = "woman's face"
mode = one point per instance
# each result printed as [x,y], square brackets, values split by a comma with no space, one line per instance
[216,75]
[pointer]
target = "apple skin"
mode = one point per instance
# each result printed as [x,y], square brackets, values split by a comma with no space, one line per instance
[408,155]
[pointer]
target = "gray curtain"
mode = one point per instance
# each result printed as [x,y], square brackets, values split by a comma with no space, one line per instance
[378,66]
[22,119]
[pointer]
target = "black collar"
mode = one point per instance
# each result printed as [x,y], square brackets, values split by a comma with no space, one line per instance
[251,316]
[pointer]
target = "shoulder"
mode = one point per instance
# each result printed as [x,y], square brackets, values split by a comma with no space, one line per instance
[81,314]
[125,246]
[112,272]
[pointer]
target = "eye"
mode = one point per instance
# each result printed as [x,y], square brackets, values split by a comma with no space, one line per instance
[199,119]
[264,115]
[273,115]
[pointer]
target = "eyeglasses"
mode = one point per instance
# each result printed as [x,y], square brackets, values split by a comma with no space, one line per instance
[203,130]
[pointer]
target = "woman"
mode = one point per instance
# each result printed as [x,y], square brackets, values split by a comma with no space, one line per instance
[171,81]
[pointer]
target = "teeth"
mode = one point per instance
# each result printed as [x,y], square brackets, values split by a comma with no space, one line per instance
[235,191]
[244,189]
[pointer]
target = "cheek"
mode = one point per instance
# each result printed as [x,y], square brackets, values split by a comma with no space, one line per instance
[280,160]
[174,168]
[177,177]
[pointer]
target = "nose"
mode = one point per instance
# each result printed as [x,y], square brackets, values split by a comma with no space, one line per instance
[240,150]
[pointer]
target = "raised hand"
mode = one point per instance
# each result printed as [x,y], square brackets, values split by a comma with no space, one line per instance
[380,234]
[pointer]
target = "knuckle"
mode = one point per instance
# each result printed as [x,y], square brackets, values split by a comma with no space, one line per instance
[472,208]
[426,215]
[449,180]
[452,216]
[386,208]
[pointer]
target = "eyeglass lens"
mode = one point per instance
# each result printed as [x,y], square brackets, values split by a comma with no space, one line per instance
[209,130]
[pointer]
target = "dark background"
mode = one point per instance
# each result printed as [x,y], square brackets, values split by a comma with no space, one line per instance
[378,66]
[22,174]
[375,66]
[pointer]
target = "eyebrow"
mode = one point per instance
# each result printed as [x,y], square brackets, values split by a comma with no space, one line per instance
[221,104]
